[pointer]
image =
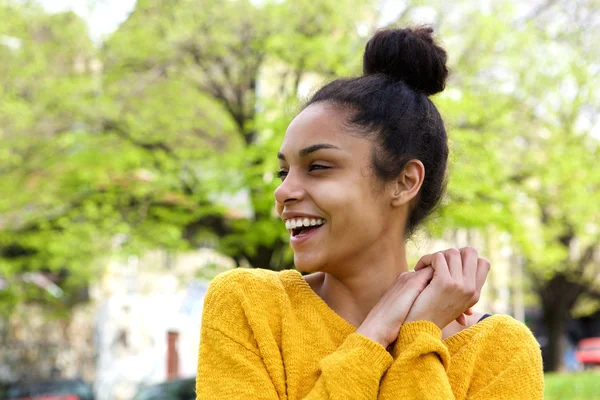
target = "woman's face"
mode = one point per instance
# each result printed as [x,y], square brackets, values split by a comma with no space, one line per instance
[328,184]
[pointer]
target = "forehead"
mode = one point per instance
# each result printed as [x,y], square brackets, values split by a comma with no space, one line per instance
[318,123]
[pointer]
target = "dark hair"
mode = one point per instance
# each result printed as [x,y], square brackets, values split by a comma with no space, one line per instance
[401,68]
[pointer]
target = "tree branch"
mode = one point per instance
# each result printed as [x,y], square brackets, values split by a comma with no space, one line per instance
[115,127]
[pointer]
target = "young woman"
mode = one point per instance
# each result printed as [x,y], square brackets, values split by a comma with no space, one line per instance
[361,166]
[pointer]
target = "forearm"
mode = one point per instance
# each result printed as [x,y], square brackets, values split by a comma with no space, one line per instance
[353,371]
[419,370]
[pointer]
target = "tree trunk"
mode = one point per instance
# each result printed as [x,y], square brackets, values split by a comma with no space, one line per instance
[558,296]
[555,323]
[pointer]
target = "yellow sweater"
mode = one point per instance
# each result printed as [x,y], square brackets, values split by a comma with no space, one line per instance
[268,335]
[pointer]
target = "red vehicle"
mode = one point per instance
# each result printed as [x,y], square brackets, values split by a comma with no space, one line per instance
[53,397]
[588,352]
[72,389]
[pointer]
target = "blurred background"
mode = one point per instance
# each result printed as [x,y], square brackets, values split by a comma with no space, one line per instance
[138,146]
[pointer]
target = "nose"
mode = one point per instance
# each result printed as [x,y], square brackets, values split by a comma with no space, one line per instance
[290,190]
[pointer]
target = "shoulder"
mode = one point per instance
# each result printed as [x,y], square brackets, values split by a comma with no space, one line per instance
[242,304]
[242,281]
[231,294]
[505,334]
[509,361]
[507,325]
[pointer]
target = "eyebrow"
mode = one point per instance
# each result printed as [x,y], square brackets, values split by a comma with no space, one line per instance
[310,149]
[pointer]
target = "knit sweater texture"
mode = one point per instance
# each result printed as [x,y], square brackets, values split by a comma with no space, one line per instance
[268,335]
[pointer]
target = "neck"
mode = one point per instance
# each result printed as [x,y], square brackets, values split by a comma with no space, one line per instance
[356,290]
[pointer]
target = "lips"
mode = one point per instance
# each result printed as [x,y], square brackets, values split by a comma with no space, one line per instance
[290,214]
[302,226]
[303,230]
[304,235]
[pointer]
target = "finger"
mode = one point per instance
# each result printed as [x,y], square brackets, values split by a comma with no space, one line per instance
[425,261]
[469,311]
[422,277]
[425,273]
[483,267]
[454,261]
[462,319]
[469,257]
[440,266]
[412,283]
[437,261]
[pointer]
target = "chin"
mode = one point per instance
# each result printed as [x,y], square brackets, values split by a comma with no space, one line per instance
[306,264]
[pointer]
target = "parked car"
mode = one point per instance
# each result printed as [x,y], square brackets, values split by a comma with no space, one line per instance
[71,389]
[180,389]
[588,352]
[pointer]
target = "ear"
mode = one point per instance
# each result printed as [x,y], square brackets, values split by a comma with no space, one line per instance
[406,186]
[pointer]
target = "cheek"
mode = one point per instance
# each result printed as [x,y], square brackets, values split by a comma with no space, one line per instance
[336,200]
[353,209]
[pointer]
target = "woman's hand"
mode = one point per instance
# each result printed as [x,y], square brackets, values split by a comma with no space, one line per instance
[385,319]
[458,276]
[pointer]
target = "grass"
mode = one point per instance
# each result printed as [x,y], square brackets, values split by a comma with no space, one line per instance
[574,386]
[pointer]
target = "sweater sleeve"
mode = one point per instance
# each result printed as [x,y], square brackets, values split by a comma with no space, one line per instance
[232,366]
[422,361]
[420,364]
[353,371]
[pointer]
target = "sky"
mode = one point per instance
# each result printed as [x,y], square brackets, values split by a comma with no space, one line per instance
[102,16]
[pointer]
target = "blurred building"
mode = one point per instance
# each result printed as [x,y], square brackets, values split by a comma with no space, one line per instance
[36,346]
[148,319]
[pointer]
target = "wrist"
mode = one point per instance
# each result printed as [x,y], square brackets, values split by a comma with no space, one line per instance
[367,330]
[417,318]
[412,330]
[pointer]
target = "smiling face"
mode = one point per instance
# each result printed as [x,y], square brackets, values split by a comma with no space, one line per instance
[329,185]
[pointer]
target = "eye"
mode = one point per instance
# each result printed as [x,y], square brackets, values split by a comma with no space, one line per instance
[282,174]
[317,167]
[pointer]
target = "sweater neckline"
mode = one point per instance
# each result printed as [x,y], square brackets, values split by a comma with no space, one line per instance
[337,320]
[453,342]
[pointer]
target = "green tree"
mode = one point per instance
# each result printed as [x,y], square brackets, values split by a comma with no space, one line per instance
[46,88]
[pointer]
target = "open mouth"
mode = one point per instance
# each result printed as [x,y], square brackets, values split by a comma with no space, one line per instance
[304,230]
[303,227]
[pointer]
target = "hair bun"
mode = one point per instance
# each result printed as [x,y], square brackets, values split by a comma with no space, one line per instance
[410,55]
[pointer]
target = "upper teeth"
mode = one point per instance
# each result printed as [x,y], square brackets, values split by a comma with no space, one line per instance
[298,222]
